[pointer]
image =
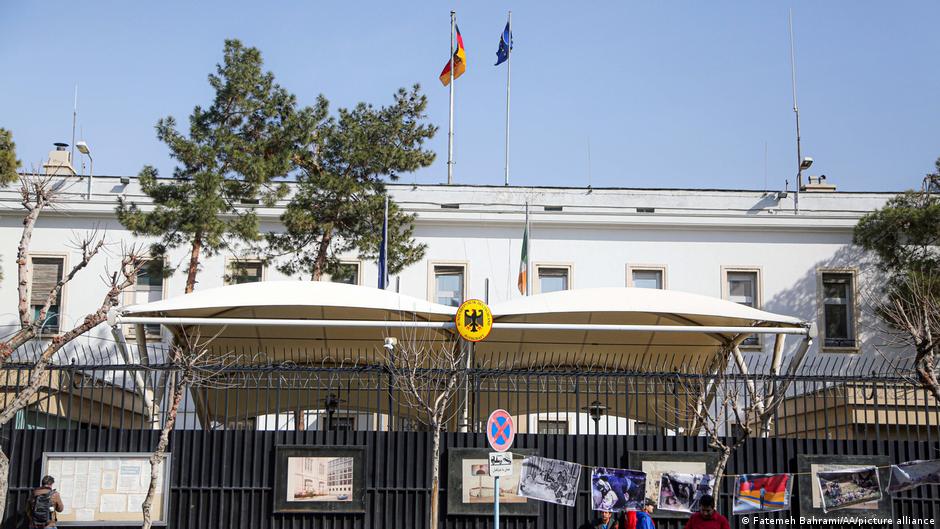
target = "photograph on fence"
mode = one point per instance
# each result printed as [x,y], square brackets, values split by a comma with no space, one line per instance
[682,492]
[840,497]
[549,480]
[755,493]
[840,489]
[470,489]
[319,479]
[106,488]
[614,489]
[907,476]
[655,464]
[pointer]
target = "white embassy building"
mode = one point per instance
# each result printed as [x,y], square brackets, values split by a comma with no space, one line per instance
[746,246]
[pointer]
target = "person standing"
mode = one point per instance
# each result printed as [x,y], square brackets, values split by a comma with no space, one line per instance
[707,517]
[642,519]
[606,521]
[44,503]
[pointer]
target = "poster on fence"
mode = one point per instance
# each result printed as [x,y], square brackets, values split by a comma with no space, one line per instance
[844,488]
[614,489]
[549,480]
[682,492]
[907,476]
[762,493]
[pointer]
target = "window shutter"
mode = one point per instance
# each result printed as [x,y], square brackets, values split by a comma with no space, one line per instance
[47,271]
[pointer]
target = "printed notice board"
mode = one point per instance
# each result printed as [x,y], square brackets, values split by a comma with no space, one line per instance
[105,488]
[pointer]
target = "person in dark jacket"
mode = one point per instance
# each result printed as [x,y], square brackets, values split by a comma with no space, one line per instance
[606,521]
[43,498]
[707,517]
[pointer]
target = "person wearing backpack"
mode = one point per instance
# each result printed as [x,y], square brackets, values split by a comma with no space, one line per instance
[44,503]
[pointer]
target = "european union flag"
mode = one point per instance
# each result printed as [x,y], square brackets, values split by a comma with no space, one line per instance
[505,46]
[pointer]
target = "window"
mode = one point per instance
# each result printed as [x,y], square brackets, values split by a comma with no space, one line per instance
[348,273]
[645,428]
[743,287]
[449,284]
[553,427]
[245,271]
[553,278]
[149,288]
[838,309]
[648,279]
[46,273]
[646,276]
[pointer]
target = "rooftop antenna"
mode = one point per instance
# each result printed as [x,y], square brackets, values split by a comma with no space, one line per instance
[74,119]
[800,162]
[589,160]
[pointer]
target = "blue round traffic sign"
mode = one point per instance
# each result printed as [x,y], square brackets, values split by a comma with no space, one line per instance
[500,430]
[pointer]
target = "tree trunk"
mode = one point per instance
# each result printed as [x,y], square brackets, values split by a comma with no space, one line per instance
[193,263]
[4,482]
[322,253]
[720,472]
[159,455]
[927,371]
[435,473]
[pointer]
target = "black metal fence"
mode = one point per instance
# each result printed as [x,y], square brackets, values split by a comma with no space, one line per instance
[226,478]
[223,470]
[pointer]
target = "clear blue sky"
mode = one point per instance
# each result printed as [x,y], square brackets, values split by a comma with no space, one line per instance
[668,94]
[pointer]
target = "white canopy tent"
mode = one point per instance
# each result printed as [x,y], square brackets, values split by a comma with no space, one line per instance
[321,323]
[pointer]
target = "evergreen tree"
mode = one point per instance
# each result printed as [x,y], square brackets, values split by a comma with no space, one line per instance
[251,135]
[338,206]
[8,161]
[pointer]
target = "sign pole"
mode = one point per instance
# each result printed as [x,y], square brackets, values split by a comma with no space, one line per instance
[496,502]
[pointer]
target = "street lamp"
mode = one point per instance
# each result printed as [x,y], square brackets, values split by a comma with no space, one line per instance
[596,411]
[83,148]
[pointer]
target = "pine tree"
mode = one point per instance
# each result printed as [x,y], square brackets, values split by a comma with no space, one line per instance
[8,161]
[252,135]
[339,203]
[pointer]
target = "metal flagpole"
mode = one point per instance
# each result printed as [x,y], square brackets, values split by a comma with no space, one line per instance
[450,131]
[508,77]
[383,260]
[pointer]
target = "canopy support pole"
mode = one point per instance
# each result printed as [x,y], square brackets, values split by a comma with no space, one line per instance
[140,386]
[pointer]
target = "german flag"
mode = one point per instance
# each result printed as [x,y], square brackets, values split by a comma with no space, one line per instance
[459,61]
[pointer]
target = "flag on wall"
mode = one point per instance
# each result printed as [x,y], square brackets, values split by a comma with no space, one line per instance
[505,46]
[459,61]
[524,261]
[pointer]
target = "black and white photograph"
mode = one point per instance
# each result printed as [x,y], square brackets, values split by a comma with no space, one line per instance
[682,492]
[844,488]
[549,480]
[907,476]
[615,489]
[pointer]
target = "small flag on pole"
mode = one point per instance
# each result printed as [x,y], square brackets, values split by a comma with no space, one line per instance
[383,251]
[459,61]
[505,46]
[524,261]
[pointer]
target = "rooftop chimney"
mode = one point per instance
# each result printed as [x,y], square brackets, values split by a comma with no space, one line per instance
[818,184]
[59,162]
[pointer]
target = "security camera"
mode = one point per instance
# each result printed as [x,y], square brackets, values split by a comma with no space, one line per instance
[806,163]
[390,343]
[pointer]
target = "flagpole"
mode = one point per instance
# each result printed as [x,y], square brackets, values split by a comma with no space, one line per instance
[450,131]
[383,251]
[508,77]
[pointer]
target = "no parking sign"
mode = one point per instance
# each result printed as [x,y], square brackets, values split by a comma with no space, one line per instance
[500,430]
